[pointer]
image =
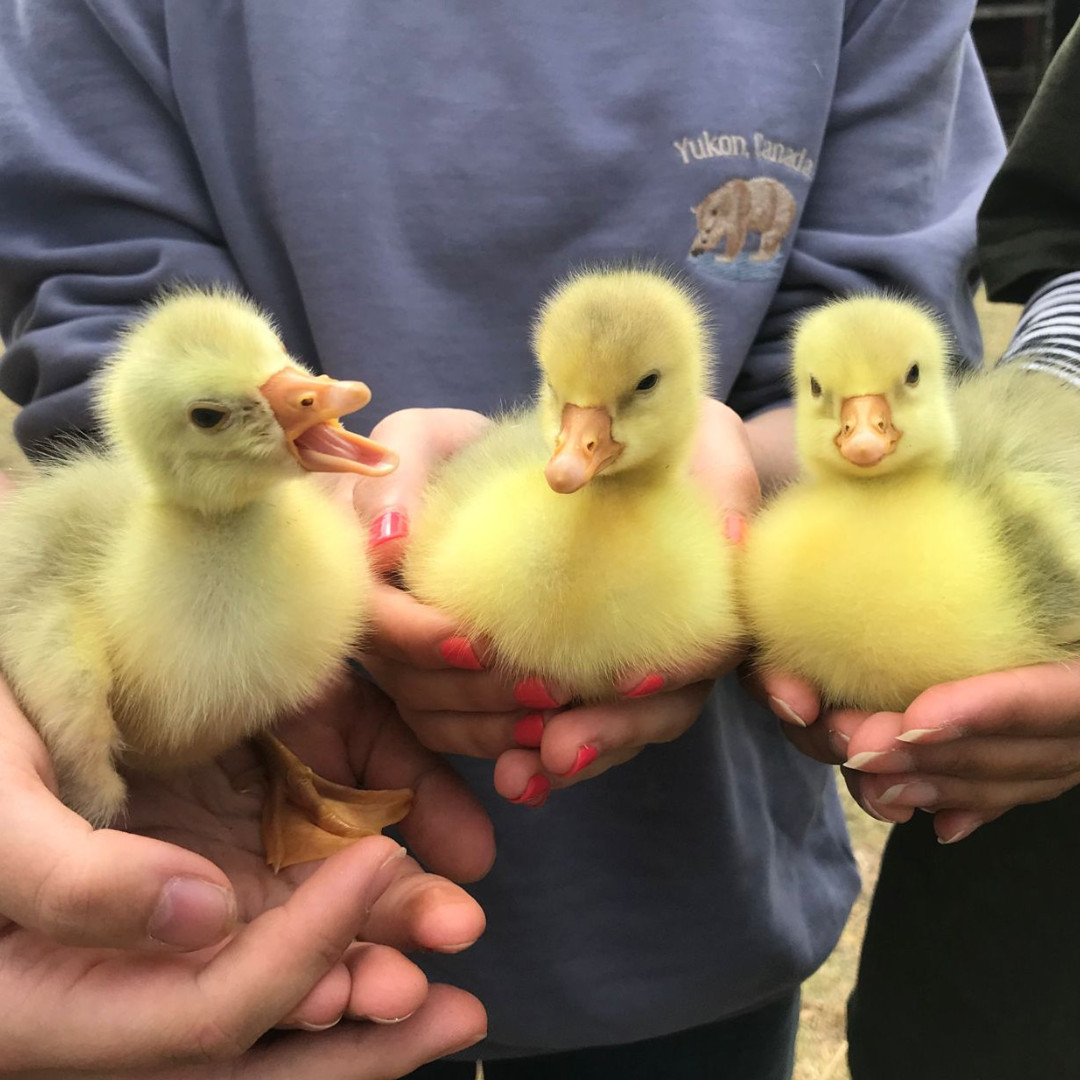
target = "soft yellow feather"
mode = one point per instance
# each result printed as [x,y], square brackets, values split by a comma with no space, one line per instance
[631,571]
[956,554]
[182,589]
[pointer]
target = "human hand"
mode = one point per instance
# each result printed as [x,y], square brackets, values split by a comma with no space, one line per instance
[966,751]
[437,677]
[119,950]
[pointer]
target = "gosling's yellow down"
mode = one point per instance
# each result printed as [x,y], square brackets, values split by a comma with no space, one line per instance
[571,535]
[935,533]
[189,584]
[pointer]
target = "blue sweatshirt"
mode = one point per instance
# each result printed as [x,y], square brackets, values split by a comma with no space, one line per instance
[399,183]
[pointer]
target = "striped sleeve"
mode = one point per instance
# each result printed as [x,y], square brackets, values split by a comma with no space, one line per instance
[1047,337]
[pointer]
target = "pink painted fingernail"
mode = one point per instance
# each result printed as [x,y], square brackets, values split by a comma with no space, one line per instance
[531,693]
[536,792]
[457,652]
[649,685]
[735,528]
[529,730]
[390,525]
[586,755]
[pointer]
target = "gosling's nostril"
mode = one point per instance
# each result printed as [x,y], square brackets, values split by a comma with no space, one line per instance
[307,402]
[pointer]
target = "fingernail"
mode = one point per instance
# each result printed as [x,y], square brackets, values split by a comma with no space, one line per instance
[586,755]
[649,685]
[191,913]
[390,525]
[323,1027]
[945,733]
[390,1019]
[961,834]
[869,808]
[536,792]
[899,760]
[457,652]
[914,793]
[735,528]
[838,743]
[531,693]
[529,730]
[785,711]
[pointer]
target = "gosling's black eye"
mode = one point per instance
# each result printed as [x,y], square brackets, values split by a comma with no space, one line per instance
[648,382]
[912,376]
[815,387]
[207,417]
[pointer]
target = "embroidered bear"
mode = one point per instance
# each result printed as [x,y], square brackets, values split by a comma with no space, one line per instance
[760,205]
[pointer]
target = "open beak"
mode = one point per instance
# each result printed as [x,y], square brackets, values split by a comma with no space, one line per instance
[584,447]
[866,432]
[307,408]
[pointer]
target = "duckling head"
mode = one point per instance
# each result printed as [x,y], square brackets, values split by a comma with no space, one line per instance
[624,359]
[203,397]
[871,388]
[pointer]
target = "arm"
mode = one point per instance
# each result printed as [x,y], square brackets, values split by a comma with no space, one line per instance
[101,201]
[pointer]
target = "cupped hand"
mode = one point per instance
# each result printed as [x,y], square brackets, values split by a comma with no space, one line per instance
[439,679]
[966,751]
[171,942]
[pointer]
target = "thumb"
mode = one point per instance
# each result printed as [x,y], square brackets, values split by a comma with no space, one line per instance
[422,438]
[84,887]
[724,466]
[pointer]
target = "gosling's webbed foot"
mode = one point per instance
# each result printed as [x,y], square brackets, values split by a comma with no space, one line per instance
[307,817]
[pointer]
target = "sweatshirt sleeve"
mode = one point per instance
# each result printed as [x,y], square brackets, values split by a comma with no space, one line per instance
[1029,225]
[101,200]
[911,143]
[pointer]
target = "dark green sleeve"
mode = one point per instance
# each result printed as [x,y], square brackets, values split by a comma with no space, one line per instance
[1029,224]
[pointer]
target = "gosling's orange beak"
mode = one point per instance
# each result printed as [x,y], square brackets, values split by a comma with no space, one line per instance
[583,448]
[307,408]
[866,430]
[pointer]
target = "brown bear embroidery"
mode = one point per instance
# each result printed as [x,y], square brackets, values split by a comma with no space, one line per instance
[761,205]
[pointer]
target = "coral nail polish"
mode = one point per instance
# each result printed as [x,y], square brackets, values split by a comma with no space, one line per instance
[529,730]
[735,528]
[649,685]
[390,525]
[533,694]
[586,755]
[457,652]
[536,792]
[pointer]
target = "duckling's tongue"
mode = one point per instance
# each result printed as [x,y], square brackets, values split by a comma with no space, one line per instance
[866,433]
[307,408]
[583,448]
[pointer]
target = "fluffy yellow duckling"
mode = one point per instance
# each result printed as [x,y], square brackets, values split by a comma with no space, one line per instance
[572,535]
[935,534]
[190,584]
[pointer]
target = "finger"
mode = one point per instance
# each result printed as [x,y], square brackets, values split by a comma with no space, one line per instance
[645,683]
[408,632]
[79,886]
[790,697]
[955,793]
[575,739]
[422,438]
[386,987]
[889,815]
[723,464]
[448,1021]
[952,826]
[829,738]
[446,827]
[441,691]
[423,911]
[1043,698]
[325,1004]
[519,777]
[472,734]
